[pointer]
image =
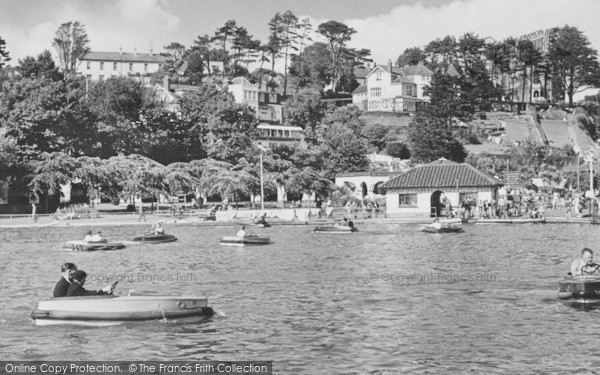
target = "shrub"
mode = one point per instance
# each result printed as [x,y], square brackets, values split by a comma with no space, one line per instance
[398,150]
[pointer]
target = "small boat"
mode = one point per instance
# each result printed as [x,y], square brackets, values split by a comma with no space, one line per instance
[109,310]
[92,246]
[246,240]
[335,229]
[580,290]
[155,238]
[444,229]
[512,221]
[259,225]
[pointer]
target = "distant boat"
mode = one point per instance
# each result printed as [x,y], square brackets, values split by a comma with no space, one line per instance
[107,310]
[155,238]
[335,229]
[512,221]
[246,240]
[92,246]
[445,229]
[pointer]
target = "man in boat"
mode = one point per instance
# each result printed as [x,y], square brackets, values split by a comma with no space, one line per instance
[585,266]
[348,222]
[76,289]
[242,232]
[96,237]
[88,237]
[436,224]
[60,290]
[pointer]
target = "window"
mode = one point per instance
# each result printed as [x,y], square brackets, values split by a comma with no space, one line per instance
[145,67]
[376,91]
[89,65]
[378,76]
[407,200]
[102,65]
[114,66]
[130,67]
[101,78]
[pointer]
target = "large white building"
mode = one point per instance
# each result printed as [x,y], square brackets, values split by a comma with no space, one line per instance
[269,110]
[98,66]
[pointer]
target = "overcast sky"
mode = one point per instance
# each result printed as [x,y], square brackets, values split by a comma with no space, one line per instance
[386,27]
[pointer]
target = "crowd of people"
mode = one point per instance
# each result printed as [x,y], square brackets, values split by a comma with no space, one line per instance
[526,204]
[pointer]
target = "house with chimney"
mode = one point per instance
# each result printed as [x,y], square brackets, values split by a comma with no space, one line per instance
[98,66]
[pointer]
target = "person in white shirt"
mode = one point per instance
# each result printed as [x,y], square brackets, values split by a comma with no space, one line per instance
[97,237]
[242,231]
[585,266]
[436,224]
[88,237]
[158,229]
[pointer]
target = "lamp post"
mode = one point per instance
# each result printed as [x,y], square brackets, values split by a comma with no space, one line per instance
[262,187]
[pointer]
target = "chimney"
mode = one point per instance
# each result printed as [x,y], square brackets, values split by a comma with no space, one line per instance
[151,52]
[390,66]
[166,83]
[135,51]
[121,50]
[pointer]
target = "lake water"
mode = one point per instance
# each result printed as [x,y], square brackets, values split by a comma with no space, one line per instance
[389,299]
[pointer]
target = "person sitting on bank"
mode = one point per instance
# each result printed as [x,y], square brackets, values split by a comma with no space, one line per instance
[76,288]
[242,232]
[158,229]
[585,266]
[436,224]
[60,290]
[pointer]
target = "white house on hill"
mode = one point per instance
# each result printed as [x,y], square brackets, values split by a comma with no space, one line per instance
[98,66]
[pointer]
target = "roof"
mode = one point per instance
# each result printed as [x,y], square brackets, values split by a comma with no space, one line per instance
[360,89]
[361,72]
[124,57]
[403,79]
[416,70]
[242,81]
[367,174]
[441,173]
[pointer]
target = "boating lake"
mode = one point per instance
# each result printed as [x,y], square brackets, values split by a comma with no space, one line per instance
[387,300]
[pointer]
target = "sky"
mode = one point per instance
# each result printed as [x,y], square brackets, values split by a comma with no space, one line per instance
[386,27]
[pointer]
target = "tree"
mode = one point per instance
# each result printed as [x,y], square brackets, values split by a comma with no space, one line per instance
[529,58]
[411,56]
[224,35]
[42,66]
[343,150]
[313,66]
[175,53]
[575,63]
[71,43]
[337,35]
[305,109]
[4,57]
[430,138]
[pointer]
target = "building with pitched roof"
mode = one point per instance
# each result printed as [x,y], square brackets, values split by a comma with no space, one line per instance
[420,191]
[269,110]
[98,66]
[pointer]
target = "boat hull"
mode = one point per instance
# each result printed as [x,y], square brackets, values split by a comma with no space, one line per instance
[443,230]
[511,221]
[155,238]
[335,229]
[246,240]
[113,310]
[92,246]
[581,290]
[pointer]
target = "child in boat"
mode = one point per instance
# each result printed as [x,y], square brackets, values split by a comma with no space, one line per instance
[436,224]
[158,229]
[242,231]
[88,237]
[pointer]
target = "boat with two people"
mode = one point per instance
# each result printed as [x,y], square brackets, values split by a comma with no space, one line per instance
[92,242]
[346,227]
[439,227]
[243,238]
[157,235]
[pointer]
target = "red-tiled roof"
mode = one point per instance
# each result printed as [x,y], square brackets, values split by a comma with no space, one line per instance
[441,173]
[125,57]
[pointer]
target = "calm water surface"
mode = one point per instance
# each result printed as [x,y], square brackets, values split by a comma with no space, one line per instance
[387,299]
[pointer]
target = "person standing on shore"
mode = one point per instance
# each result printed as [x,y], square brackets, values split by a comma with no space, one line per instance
[142,215]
